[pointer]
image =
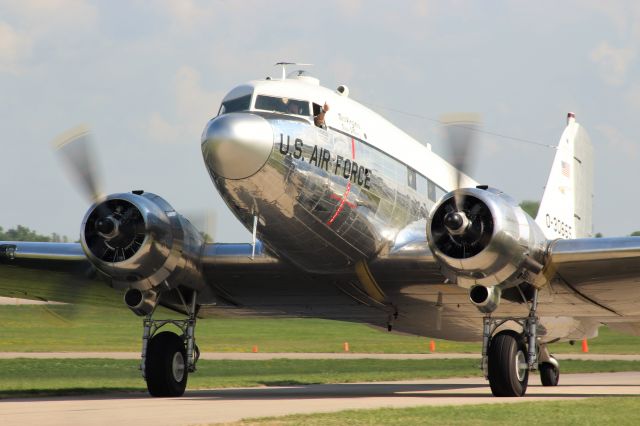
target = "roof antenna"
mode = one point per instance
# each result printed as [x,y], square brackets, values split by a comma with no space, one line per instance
[284,67]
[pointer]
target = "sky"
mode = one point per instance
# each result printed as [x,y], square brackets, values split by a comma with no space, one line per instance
[146,76]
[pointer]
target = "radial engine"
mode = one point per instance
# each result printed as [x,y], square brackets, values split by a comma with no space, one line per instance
[481,237]
[143,245]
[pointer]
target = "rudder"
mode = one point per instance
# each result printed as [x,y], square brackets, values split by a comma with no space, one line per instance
[566,206]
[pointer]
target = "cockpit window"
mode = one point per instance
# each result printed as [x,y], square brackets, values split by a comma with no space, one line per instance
[285,105]
[233,105]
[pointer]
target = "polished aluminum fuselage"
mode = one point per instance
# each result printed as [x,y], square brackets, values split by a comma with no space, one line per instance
[325,199]
[351,202]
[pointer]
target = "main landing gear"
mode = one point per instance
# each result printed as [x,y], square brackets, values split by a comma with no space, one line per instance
[508,357]
[168,358]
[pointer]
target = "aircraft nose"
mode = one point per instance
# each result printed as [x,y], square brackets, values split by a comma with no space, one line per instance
[237,145]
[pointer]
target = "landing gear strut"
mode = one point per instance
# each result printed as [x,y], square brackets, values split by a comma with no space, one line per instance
[167,358]
[508,357]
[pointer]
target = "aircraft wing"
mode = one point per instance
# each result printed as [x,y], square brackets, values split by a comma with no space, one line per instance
[238,283]
[605,271]
[61,272]
[593,277]
[52,272]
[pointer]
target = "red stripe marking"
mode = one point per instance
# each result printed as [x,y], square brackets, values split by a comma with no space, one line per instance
[339,198]
[341,206]
[346,192]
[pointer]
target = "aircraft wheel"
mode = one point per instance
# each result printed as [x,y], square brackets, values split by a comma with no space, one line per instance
[165,366]
[549,374]
[508,369]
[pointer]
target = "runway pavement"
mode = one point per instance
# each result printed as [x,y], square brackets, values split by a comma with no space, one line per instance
[249,356]
[224,405]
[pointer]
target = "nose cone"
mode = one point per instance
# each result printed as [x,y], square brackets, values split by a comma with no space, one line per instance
[237,145]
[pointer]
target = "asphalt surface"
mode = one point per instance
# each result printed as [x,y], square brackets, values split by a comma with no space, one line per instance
[248,356]
[224,405]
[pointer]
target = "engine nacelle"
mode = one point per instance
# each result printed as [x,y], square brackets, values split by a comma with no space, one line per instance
[140,242]
[141,302]
[486,299]
[482,237]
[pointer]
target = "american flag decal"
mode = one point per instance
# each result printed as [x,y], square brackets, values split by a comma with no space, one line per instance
[566,170]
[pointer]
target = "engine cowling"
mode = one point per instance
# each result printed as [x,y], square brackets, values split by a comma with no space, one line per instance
[482,237]
[139,241]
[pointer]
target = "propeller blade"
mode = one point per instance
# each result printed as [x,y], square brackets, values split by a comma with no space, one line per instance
[76,149]
[459,132]
[205,222]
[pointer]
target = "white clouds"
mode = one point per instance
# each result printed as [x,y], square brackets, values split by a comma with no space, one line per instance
[613,62]
[624,19]
[156,72]
[42,16]
[633,97]
[13,48]
[187,14]
[351,7]
[623,15]
[194,105]
[190,95]
[617,142]
[160,130]
[422,8]
[34,22]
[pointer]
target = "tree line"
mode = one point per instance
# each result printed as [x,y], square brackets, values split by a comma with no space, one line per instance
[23,233]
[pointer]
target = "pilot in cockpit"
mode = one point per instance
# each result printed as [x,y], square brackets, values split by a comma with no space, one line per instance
[293,108]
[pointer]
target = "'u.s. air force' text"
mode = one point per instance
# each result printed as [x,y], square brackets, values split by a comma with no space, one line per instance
[322,158]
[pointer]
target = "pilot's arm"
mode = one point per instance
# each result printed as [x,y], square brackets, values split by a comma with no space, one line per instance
[319,119]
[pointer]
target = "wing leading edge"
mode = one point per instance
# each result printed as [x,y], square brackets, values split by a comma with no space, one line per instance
[606,271]
[52,272]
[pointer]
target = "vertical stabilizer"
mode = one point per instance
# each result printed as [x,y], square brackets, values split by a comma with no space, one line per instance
[565,209]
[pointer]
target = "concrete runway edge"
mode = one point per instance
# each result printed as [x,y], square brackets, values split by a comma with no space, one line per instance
[225,405]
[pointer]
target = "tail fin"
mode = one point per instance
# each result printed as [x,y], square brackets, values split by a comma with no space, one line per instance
[565,208]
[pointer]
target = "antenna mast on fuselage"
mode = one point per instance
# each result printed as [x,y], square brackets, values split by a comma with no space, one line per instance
[284,67]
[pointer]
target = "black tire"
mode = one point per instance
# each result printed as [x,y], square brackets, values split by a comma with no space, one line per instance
[506,351]
[165,367]
[549,374]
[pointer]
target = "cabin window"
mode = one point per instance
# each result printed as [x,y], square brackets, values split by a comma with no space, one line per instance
[422,184]
[233,105]
[284,105]
[431,188]
[411,178]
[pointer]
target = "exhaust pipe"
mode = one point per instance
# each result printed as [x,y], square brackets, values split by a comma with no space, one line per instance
[486,299]
[140,302]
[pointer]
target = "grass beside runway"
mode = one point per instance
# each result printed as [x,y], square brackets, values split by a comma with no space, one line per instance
[44,377]
[63,328]
[67,329]
[593,411]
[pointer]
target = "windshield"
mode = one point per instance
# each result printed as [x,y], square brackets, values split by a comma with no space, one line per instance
[285,105]
[233,105]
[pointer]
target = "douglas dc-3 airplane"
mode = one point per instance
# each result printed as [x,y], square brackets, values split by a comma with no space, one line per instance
[352,220]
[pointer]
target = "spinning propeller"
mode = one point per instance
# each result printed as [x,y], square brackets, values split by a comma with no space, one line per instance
[75,148]
[461,224]
[115,229]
